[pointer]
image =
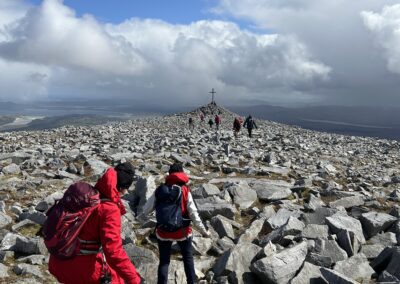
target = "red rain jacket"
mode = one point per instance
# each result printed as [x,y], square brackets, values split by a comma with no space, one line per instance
[104,226]
[179,178]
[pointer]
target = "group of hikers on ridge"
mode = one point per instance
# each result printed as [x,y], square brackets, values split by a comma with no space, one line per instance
[249,123]
[83,230]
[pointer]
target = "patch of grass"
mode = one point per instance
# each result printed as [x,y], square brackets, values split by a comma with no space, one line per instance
[29,230]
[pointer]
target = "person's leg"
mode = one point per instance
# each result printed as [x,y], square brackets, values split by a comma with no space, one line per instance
[187,254]
[165,255]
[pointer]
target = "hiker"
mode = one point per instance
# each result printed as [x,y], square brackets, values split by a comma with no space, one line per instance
[250,124]
[211,122]
[202,117]
[237,125]
[191,124]
[176,182]
[101,256]
[217,121]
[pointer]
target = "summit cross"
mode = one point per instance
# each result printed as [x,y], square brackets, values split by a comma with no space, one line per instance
[212,93]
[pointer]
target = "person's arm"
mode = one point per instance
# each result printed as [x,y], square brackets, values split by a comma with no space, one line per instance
[194,216]
[110,238]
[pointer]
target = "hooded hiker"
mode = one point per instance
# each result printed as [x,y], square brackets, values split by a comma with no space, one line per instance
[175,209]
[89,249]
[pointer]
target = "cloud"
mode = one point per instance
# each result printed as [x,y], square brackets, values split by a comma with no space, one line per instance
[385,27]
[153,61]
[52,35]
[336,34]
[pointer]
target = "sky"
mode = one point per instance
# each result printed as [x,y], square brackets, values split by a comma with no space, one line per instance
[252,52]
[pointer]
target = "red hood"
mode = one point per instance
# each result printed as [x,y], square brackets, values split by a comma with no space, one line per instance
[177,178]
[107,186]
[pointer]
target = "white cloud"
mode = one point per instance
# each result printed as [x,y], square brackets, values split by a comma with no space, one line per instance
[153,60]
[385,27]
[335,34]
[52,35]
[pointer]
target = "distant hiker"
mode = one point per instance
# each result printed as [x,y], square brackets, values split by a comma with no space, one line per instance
[191,124]
[89,249]
[202,117]
[250,124]
[174,208]
[211,122]
[217,120]
[237,125]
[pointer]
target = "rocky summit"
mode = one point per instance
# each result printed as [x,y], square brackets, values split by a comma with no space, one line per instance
[287,206]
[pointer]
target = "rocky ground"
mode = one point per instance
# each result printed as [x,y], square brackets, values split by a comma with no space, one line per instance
[287,206]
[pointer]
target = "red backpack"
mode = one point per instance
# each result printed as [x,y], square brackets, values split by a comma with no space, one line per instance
[66,218]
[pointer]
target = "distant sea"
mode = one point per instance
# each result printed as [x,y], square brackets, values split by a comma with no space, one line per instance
[379,122]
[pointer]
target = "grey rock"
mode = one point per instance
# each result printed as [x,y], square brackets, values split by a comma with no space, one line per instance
[96,166]
[372,251]
[339,222]
[314,231]
[281,218]
[386,277]
[386,239]
[243,195]
[281,267]
[374,222]
[273,190]
[251,233]
[313,203]
[11,169]
[208,189]
[5,220]
[3,271]
[334,277]
[347,202]
[140,256]
[318,217]
[222,227]
[222,245]
[235,263]
[28,269]
[33,215]
[355,267]
[36,259]
[49,201]
[309,274]
[145,187]
[29,246]
[201,245]
[9,241]
[207,210]
[348,241]
[331,249]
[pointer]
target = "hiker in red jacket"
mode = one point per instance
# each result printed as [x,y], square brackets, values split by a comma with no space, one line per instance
[102,231]
[183,236]
[217,120]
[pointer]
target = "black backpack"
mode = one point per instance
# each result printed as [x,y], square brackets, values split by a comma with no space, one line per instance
[168,208]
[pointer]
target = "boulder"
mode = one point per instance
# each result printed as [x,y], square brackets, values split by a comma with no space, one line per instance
[272,190]
[281,267]
[235,263]
[340,221]
[334,277]
[243,195]
[356,267]
[374,222]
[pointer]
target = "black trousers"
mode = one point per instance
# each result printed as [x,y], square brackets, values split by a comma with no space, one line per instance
[250,130]
[165,256]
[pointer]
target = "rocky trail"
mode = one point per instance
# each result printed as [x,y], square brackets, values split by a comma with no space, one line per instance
[287,206]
